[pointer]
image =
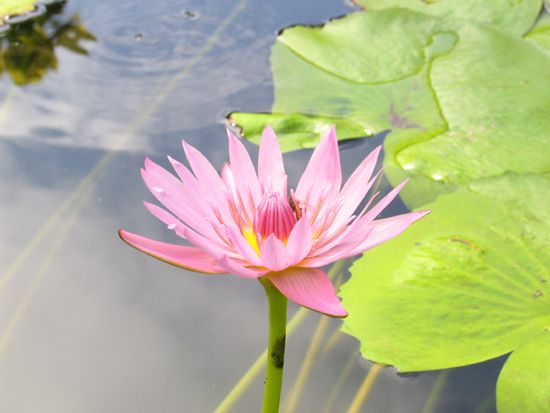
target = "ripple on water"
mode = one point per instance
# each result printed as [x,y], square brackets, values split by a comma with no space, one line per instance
[144,42]
[96,98]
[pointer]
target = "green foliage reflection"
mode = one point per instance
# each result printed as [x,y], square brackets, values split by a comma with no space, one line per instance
[27,51]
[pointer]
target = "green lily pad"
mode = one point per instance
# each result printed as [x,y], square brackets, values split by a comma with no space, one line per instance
[511,16]
[453,117]
[366,47]
[494,92]
[540,34]
[312,97]
[296,130]
[523,382]
[10,7]
[467,283]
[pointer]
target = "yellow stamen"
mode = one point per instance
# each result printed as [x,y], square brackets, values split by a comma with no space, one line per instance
[250,237]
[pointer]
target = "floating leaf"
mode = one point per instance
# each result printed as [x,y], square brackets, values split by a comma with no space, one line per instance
[296,130]
[540,34]
[494,92]
[9,7]
[467,283]
[512,16]
[366,47]
[523,382]
[457,111]
[312,96]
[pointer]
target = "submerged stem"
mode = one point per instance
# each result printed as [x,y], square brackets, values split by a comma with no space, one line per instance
[291,404]
[365,388]
[277,304]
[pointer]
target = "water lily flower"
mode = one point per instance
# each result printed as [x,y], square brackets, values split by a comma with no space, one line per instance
[247,223]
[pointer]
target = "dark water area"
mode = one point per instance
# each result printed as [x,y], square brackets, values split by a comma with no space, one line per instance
[90,325]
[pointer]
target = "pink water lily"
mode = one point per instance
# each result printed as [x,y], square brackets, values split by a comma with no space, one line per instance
[248,224]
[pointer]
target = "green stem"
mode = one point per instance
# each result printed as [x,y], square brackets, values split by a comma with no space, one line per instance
[275,349]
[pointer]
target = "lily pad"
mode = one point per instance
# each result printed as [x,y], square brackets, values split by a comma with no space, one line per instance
[523,382]
[10,7]
[512,16]
[296,130]
[366,47]
[457,111]
[467,283]
[494,92]
[313,97]
[540,34]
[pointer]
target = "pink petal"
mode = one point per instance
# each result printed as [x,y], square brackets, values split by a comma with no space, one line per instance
[387,228]
[298,244]
[273,254]
[203,243]
[232,266]
[243,169]
[323,170]
[173,195]
[310,287]
[337,252]
[356,187]
[344,244]
[227,176]
[243,247]
[342,230]
[321,260]
[369,236]
[186,257]
[383,203]
[360,227]
[271,170]
[208,177]
[243,210]
[231,186]
[170,220]
[194,195]
[167,192]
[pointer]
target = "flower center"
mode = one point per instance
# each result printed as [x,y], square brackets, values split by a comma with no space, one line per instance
[274,216]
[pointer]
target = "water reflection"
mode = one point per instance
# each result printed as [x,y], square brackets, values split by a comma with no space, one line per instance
[27,51]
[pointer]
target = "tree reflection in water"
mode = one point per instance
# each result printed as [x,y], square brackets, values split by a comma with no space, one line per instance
[27,50]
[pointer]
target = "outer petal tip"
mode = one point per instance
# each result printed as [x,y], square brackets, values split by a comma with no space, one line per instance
[187,148]
[126,237]
[268,130]
[147,162]
[230,135]
[339,312]
[181,256]
[377,151]
[121,234]
[270,162]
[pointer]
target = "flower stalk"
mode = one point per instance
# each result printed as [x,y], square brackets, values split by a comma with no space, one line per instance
[277,305]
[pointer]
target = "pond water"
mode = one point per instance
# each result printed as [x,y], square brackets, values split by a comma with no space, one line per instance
[90,325]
